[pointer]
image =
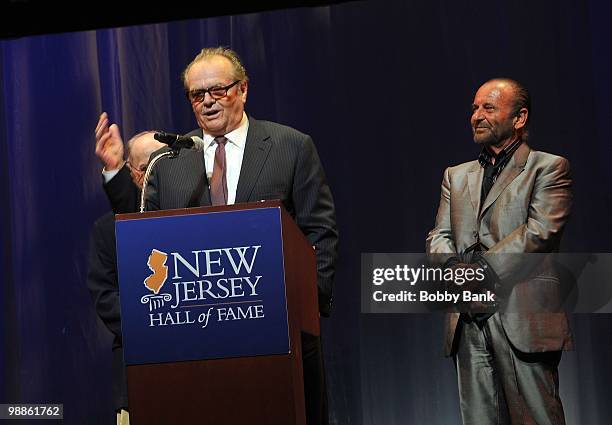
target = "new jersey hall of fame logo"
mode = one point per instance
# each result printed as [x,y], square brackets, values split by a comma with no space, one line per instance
[201,287]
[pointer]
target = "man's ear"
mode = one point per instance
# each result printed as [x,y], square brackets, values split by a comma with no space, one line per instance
[521,118]
[244,88]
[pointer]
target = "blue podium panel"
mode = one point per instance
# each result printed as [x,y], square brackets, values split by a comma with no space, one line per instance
[202,286]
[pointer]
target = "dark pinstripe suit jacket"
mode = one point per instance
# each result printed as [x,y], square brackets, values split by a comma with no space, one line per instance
[278,163]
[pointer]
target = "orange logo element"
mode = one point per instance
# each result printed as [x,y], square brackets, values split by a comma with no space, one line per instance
[157,264]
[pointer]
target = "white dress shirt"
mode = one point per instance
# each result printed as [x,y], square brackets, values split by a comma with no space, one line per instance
[108,175]
[234,151]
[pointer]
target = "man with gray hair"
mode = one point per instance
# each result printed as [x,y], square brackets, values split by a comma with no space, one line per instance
[243,160]
[511,202]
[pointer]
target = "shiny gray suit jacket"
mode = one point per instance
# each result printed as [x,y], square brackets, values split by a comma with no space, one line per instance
[279,162]
[525,212]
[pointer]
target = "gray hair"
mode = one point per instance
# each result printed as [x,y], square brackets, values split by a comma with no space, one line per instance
[239,72]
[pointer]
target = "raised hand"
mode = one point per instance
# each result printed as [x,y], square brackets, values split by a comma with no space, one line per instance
[109,144]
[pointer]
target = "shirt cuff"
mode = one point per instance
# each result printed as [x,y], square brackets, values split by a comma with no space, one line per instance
[108,175]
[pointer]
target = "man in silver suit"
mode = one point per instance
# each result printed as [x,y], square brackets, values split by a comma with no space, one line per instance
[510,202]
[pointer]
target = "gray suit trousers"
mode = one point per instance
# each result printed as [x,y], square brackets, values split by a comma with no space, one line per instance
[500,385]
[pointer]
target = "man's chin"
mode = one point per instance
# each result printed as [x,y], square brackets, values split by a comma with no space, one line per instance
[484,141]
[213,130]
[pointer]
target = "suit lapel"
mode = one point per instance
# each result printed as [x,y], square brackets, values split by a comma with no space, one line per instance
[256,150]
[475,185]
[510,172]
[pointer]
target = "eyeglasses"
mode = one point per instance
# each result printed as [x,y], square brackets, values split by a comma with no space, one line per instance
[197,96]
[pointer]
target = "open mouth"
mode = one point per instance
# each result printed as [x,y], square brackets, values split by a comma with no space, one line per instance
[212,114]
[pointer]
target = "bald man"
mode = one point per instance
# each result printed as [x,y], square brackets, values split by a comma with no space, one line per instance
[102,271]
[511,200]
[124,197]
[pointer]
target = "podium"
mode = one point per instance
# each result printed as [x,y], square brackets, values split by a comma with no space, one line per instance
[213,302]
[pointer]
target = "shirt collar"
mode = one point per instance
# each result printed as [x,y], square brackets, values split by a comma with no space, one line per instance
[237,136]
[486,156]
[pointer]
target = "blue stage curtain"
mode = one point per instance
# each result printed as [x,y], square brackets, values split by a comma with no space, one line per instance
[377,84]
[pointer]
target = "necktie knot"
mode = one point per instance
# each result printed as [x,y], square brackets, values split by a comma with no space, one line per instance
[221,140]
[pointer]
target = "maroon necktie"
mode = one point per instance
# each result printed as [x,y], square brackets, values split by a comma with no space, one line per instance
[218,181]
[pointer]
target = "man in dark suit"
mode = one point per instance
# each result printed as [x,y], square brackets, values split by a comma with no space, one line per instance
[493,213]
[102,269]
[244,160]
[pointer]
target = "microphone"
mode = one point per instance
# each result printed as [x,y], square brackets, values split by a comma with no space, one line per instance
[176,142]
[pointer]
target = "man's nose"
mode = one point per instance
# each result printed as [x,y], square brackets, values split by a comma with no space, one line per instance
[208,100]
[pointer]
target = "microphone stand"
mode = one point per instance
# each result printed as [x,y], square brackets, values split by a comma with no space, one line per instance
[176,143]
[145,181]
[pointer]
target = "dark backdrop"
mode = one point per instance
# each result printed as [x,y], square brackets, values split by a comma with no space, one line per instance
[378,85]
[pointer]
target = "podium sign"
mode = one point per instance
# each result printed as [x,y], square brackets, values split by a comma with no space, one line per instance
[192,287]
